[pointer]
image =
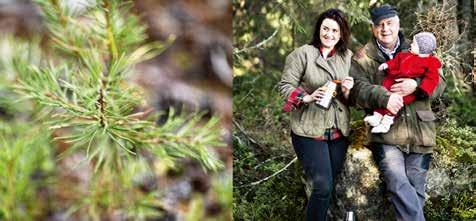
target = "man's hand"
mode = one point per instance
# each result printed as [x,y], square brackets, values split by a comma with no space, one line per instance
[404,87]
[395,102]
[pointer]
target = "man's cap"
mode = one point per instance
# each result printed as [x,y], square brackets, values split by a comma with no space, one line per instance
[382,12]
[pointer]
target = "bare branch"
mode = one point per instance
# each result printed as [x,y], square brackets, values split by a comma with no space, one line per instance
[270,159]
[238,51]
[242,130]
[269,177]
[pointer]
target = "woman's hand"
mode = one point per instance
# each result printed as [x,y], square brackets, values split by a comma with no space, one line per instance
[315,96]
[347,84]
[307,99]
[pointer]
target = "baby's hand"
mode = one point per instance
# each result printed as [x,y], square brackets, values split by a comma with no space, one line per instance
[383,67]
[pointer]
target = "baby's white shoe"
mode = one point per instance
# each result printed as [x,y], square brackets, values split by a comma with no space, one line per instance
[384,125]
[373,120]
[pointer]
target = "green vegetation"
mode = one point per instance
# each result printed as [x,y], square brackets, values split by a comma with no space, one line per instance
[24,164]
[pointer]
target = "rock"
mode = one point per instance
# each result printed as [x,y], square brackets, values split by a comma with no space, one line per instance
[360,189]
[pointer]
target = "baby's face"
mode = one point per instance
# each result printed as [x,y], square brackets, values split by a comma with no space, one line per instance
[414,47]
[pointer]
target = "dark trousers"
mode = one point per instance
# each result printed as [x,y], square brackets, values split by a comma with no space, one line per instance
[322,161]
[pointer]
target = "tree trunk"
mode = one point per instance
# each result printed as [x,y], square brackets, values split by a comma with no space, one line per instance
[465,16]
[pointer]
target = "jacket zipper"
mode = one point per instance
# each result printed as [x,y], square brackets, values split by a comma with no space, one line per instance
[407,146]
[336,121]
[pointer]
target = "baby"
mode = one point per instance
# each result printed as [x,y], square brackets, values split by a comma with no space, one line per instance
[418,63]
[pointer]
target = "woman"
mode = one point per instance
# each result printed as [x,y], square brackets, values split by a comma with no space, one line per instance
[319,134]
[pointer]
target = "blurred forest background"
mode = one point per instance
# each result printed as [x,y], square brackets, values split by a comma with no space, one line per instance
[115,110]
[267,183]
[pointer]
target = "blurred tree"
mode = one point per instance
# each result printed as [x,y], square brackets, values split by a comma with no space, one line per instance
[82,94]
[88,89]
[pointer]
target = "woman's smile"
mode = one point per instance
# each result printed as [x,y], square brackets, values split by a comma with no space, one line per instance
[329,33]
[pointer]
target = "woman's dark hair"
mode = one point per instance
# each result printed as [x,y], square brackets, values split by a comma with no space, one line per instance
[338,16]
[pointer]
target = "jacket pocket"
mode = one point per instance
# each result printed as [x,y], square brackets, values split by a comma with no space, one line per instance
[305,120]
[426,123]
[343,118]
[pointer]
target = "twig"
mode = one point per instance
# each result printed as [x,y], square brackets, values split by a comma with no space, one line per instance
[113,53]
[270,159]
[257,45]
[244,97]
[101,105]
[269,177]
[110,31]
[244,132]
[250,91]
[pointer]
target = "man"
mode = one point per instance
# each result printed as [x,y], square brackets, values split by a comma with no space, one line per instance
[403,154]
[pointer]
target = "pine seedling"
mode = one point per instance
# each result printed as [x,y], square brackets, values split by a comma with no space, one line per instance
[21,161]
[83,83]
[13,49]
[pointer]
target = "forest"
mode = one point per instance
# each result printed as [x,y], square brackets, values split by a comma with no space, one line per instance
[268,181]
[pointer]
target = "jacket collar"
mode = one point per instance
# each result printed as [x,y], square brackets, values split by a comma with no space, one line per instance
[373,51]
[386,52]
[323,63]
[331,53]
